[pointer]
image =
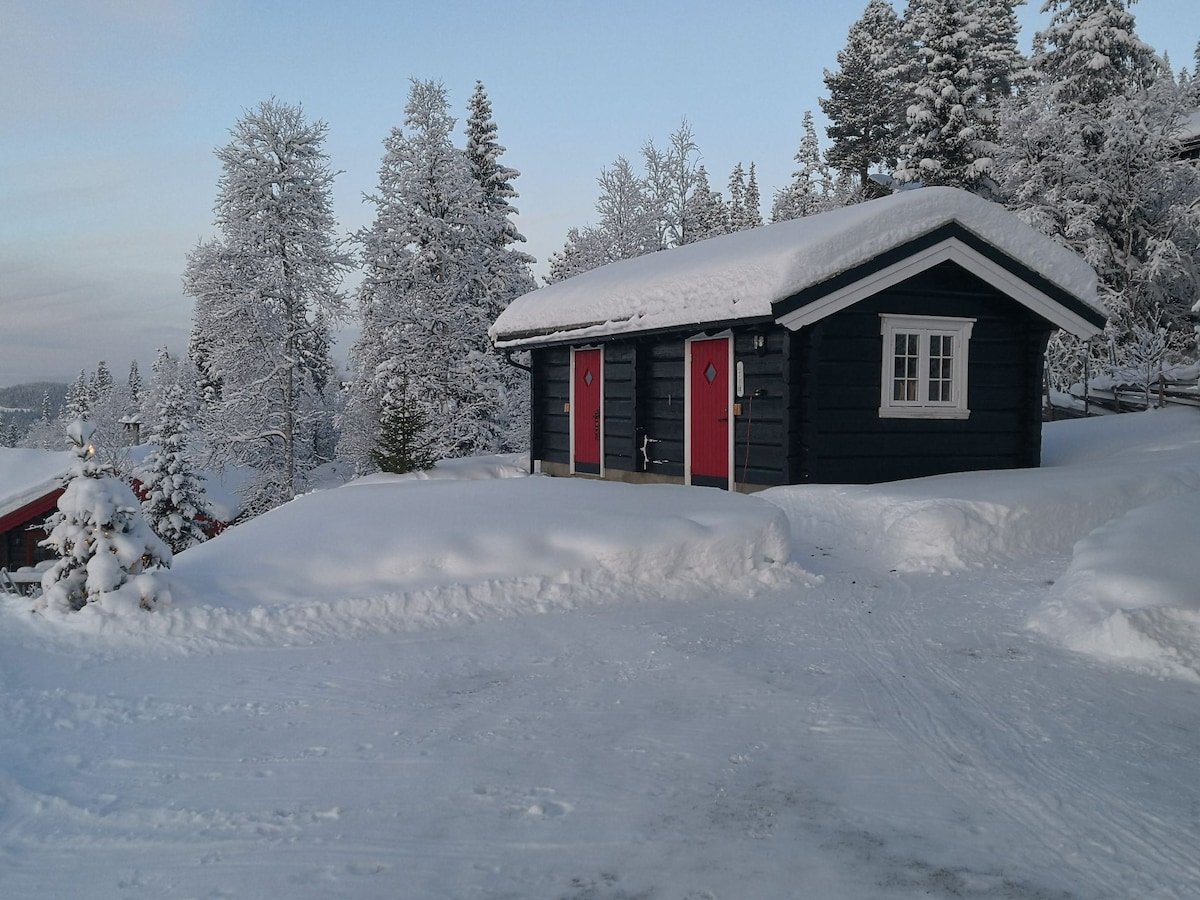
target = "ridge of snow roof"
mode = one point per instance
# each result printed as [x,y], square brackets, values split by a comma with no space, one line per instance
[738,276]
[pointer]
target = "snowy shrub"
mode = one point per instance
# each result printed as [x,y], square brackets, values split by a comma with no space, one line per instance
[106,550]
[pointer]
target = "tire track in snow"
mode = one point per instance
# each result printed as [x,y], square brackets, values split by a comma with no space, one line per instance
[978,742]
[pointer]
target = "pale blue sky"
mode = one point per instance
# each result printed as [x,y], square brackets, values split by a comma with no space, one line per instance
[111,110]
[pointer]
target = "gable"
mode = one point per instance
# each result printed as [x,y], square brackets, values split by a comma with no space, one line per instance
[949,243]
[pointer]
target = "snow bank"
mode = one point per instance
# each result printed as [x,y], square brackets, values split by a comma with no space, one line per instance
[1094,471]
[389,554]
[738,276]
[1132,592]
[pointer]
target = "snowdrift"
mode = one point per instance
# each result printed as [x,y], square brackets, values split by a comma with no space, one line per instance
[1132,592]
[389,554]
[1093,471]
[1117,493]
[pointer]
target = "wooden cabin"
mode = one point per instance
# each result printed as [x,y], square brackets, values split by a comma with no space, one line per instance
[31,481]
[897,338]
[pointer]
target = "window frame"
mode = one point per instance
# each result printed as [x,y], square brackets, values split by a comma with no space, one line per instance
[925,328]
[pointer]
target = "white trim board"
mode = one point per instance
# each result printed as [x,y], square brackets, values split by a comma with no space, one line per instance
[950,250]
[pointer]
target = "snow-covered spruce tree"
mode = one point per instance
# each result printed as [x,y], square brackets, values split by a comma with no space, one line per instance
[135,385]
[434,279]
[107,552]
[707,214]
[809,191]
[1088,156]
[109,407]
[950,138]
[744,199]
[752,210]
[506,269]
[266,292]
[78,402]
[584,250]
[868,95]
[1001,66]
[102,383]
[172,491]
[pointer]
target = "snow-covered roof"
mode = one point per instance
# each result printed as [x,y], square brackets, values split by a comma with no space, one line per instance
[739,276]
[1189,129]
[27,475]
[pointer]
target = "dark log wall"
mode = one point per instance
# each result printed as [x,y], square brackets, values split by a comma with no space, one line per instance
[550,384]
[661,404]
[836,372]
[760,441]
[620,404]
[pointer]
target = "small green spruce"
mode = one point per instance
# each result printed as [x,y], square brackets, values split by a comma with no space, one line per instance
[402,445]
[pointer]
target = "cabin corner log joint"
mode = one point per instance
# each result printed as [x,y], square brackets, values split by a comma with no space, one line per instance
[894,339]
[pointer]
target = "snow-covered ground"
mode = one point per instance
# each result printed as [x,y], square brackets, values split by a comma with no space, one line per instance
[483,685]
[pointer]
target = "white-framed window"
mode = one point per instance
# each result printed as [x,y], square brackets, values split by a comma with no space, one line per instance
[924,374]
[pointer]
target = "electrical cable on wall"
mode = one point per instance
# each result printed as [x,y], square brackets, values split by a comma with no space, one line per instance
[749,422]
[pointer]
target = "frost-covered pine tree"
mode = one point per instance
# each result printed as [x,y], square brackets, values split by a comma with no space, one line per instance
[430,291]
[135,385]
[1088,157]
[808,193]
[707,214]
[950,137]
[266,292]
[752,210]
[583,251]
[1001,66]
[868,95]
[172,491]
[78,404]
[107,552]
[744,199]
[737,198]
[102,383]
[506,270]
[109,407]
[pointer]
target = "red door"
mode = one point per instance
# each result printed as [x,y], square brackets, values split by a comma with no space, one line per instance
[709,411]
[585,410]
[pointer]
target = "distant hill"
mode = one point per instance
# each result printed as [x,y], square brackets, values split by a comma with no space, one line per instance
[21,404]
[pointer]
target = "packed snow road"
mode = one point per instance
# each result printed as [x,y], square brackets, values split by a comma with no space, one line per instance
[678,713]
[881,736]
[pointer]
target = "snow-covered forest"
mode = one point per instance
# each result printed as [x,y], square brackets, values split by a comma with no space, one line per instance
[1086,138]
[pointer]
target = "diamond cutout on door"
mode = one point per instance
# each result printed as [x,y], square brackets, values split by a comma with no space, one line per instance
[587,377]
[710,373]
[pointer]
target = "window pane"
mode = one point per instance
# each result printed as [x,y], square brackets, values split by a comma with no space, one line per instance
[906,378]
[941,368]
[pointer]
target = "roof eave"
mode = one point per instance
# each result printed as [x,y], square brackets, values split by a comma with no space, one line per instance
[576,336]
